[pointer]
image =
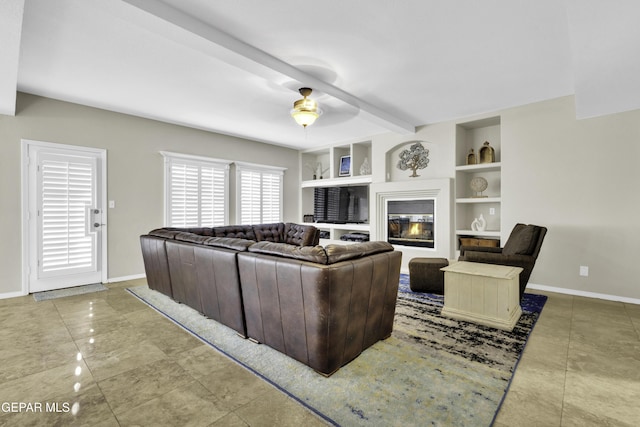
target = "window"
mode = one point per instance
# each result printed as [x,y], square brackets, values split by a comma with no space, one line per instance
[259,193]
[196,191]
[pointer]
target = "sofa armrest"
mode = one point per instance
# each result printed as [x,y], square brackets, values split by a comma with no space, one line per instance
[234,243]
[498,258]
[191,238]
[484,249]
[164,233]
[337,253]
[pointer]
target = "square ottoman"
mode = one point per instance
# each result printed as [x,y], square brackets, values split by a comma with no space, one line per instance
[425,275]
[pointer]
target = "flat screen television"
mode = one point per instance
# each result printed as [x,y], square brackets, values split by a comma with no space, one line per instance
[341,205]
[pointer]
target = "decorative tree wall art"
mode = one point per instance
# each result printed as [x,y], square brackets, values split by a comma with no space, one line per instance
[414,158]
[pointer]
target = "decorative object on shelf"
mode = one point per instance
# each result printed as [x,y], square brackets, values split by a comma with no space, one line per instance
[414,158]
[487,153]
[478,184]
[478,241]
[365,168]
[314,169]
[319,171]
[479,224]
[345,166]
[355,236]
[471,158]
[305,111]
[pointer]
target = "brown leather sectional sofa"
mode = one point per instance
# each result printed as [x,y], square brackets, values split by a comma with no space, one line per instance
[274,284]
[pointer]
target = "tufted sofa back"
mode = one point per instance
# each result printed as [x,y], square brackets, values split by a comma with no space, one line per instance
[269,232]
[235,231]
[293,234]
[301,235]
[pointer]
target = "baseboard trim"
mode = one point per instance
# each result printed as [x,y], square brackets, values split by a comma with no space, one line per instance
[585,294]
[125,278]
[8,295]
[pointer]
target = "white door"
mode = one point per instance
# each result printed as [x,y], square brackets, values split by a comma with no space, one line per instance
[66,217]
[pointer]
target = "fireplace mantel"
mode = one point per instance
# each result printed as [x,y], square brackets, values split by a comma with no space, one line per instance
[438,189]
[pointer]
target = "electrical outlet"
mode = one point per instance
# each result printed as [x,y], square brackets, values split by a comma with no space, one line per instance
[112,204]
[584,270]
[492,211]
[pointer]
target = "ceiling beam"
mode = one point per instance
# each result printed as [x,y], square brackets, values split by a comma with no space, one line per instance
[195,26]
[11,13]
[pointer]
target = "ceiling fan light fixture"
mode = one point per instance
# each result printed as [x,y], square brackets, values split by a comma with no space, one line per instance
[305,111]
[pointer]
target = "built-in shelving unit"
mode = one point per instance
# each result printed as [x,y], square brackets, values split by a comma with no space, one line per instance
[472,135]
[322,168]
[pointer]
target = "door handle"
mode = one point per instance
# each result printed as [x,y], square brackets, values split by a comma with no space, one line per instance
[96,216]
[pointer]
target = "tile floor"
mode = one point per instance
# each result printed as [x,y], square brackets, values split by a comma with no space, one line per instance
[111,360]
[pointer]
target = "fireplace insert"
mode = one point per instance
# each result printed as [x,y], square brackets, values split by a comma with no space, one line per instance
[411,222]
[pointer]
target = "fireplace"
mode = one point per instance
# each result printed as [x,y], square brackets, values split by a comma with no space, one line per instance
[411,222]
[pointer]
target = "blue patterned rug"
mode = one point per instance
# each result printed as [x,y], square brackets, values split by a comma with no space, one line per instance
[432,370]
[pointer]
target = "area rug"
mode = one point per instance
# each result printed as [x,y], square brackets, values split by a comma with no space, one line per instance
[68,292]
[431,371]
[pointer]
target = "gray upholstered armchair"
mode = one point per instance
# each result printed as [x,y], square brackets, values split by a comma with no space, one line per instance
[521,250]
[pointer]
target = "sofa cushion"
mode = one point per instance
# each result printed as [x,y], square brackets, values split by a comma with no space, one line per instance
[522,240]
[237,231]
[240,245]
[301,235]
[269,232]
[337,253]
[315,254]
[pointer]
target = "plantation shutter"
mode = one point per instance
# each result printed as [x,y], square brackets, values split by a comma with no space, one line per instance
[68,192]
[196,191]
[271,197]
[260,193]
[250,197]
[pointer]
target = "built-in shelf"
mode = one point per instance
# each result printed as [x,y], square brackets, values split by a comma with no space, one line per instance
[337,230]
[472,136]
[486,233]
[348,227]
[483,167]
[479,200]
[326,162]
[333,182]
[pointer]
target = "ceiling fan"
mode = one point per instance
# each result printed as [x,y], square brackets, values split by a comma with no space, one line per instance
[305,111]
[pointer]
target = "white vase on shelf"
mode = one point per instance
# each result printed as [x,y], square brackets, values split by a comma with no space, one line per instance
[365,168]
[479,224]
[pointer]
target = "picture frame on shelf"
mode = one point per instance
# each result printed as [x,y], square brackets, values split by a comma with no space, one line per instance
[345,166]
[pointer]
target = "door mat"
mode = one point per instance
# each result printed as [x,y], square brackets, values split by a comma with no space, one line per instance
[69,292]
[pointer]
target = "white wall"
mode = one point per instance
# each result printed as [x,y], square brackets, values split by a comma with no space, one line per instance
[579,178]
[135,172]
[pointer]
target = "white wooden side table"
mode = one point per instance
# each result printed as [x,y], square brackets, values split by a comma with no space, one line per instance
[487,294]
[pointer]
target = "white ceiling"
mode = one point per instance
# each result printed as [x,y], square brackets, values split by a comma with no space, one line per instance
[376,66]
